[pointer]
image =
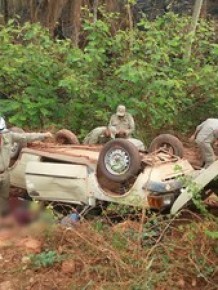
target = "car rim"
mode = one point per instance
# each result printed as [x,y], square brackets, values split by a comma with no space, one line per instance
[117,161]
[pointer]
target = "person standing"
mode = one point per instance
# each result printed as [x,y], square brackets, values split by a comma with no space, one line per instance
[205,134]
[6,140]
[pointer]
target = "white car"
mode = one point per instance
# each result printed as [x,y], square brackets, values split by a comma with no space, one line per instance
[116,172]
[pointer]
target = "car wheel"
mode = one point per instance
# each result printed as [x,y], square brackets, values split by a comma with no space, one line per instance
[168,142]
[17,146]
[119,160]
[65,136]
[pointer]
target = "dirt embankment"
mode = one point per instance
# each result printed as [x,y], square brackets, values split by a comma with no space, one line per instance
[163,254]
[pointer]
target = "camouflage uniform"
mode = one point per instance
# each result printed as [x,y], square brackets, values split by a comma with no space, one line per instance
[206,134]
[125,123]
[6,140]
[96,136]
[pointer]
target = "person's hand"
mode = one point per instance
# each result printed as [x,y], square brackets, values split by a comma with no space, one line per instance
[48,135]
[107,133]
[122,132]
[192,138]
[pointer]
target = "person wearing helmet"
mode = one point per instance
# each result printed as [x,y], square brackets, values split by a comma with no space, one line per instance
[205,134]
[6,140]
[122,123]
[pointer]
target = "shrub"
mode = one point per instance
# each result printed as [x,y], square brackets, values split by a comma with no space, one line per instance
[50,82]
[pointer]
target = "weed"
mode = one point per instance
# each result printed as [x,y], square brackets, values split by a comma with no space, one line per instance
[45,259]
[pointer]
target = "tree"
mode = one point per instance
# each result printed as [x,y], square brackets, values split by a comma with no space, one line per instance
[195,17]
[6,10]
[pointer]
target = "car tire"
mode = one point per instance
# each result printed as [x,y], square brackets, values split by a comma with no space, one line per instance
[172,143]
[112,151]
[17,146]
[65,136]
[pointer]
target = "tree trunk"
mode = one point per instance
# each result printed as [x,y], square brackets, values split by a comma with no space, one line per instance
[95,10]
[71,20]
[6,11]
[119,6]
[195,18]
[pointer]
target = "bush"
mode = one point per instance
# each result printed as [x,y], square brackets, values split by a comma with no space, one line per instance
[45,259]
[50,82]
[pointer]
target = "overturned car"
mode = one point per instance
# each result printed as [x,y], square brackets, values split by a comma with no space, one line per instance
[116,172]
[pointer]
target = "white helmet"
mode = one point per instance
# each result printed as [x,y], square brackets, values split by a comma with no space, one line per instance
[2,124]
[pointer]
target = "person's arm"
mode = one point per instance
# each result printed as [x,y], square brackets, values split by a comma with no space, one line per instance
[131,129]
[131,125]
[30,137]
[198,128]
[112,125]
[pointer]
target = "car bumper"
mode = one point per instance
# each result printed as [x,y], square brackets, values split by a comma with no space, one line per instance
[162,194]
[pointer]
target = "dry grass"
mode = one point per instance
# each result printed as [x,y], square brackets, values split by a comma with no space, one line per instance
[174,254]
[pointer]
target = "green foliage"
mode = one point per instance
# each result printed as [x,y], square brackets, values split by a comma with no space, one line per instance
[50,82]
[119,242]
[45,259]
[212,235]
[98,226]
[194,192]
[48,215]
[197,199]
[122,210]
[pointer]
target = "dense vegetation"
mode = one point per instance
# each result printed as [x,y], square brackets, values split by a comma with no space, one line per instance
[49,82]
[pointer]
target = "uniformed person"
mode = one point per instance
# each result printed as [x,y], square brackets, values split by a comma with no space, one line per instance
[6,140]
[205,134]
[122,123]
[99,135]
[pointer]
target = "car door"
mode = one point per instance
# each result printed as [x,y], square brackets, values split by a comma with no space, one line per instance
[57,181]
[17,171]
